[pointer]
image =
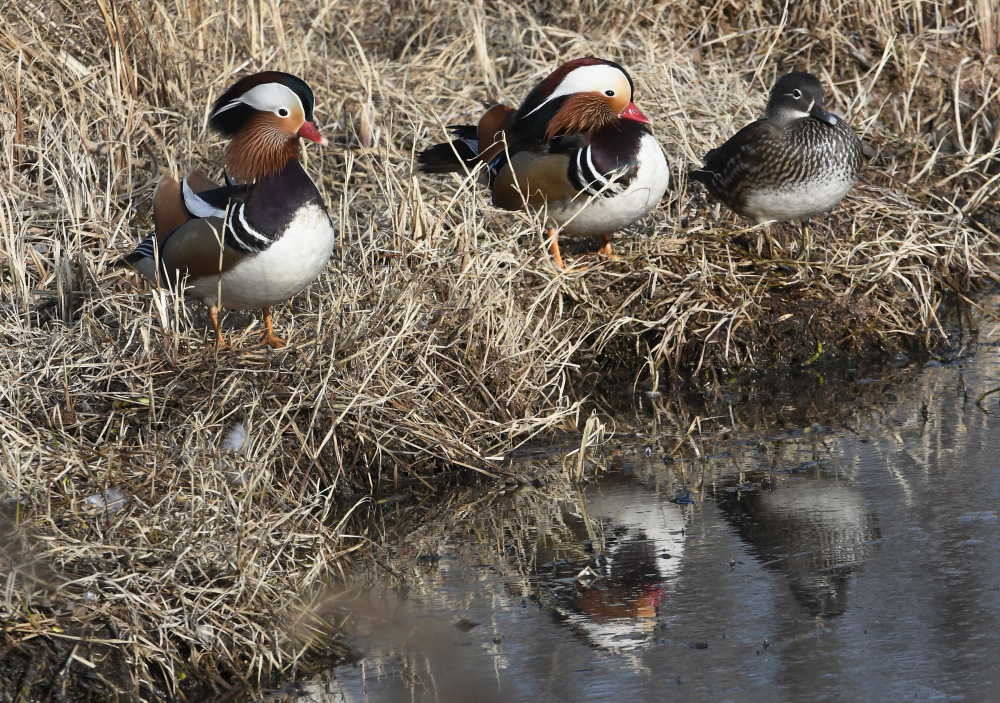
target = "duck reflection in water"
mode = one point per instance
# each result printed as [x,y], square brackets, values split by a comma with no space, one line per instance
[629,583]
[634,545]
[813,527]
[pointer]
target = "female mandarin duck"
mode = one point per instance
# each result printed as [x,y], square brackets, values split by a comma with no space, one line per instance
[577,149]
[264,236]
[796,161]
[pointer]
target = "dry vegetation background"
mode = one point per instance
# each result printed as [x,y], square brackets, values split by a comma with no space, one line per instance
[440,334]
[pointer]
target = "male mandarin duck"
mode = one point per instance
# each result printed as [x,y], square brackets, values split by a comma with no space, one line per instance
[798,160]
[577,149]
[264,236]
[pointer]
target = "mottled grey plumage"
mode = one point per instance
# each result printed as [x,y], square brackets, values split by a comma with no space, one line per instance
[796,161]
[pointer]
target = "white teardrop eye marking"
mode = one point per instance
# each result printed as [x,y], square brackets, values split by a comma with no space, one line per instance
[796,94]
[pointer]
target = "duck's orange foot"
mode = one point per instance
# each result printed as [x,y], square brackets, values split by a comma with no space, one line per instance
[552,237]
[269,337]
[605,249]
[272,340]
[220,344]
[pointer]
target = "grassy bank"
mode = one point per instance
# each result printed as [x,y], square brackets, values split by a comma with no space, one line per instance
[441,335]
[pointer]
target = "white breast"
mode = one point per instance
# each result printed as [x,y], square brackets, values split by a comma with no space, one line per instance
[793,201]
[828,163]
[591,215]
[278,273]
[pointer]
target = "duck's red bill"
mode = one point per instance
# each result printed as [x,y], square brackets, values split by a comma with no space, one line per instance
[308,131]
[632,113]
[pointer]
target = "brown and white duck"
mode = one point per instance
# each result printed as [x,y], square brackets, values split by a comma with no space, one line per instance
[577,150]
[796,161]
[265,235]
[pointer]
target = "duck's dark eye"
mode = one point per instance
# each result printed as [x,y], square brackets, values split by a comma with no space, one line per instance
[283,112]
[609,93]
[796,93]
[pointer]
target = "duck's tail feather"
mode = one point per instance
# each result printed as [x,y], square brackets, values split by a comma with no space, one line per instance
[460,154]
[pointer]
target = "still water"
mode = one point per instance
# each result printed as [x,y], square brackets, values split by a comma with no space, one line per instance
[834,539]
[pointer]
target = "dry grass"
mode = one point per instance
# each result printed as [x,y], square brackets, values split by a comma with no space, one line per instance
[440,335]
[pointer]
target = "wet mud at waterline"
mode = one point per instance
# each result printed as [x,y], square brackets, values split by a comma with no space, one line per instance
[182,521]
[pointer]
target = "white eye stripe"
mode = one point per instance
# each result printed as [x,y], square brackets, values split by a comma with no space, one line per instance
[584,80]
[267,97]
[227,106]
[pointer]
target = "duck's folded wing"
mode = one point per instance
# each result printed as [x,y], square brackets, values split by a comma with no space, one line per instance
[533,178]
[199,182]
[725,166]
[198,248]
[174,203]
[169,212]
[188,229]
[473,144]
[491,132]
[461,153]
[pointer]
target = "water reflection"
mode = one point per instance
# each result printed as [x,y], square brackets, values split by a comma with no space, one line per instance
[815,529]
[636,541]
[733,552]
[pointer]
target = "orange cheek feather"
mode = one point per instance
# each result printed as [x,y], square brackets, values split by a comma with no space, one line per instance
[580,113]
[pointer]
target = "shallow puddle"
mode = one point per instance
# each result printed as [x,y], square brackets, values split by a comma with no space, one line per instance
[840,542]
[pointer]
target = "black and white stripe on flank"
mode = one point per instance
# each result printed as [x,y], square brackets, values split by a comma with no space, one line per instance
[585,176]
[147,248]
[241,235]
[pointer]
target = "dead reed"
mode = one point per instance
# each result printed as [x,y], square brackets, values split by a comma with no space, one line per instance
[441,336]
